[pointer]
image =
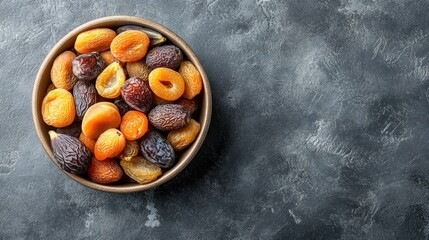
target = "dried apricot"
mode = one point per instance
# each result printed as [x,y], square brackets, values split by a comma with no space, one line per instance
[168,117]
[61,71]
[156,149]
[137,94]
[110,144]
[141,170]
[193,81]
[100,117]
[109,82]
[138,69]
[88,66]
[166,83]
[131,150]
[130,46]
[105,172]
[168,56]
[94,40]
[109,58]
[85,95]
[88,142]
[134,125]
[183,137]
[70,153]
[58,108]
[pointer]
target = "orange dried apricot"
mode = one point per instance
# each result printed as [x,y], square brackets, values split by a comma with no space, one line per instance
[88,142]
[61,71]
[105,172]
[100,117]
[193,81]
[109,82]
[130,46]
[94,40]
[138,69]
[134,125]
[183,137]
[109,58]
[166,83]
[141,170]
[58,108]
[110,144]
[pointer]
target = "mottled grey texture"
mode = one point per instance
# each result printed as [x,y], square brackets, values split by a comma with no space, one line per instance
[320,124]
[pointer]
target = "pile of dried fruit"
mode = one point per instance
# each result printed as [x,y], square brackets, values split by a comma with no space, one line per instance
[121,102]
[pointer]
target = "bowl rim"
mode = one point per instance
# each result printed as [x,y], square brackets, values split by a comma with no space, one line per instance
[205,114]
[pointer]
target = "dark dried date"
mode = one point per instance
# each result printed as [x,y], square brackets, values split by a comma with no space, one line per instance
[168,56]
[169,117]
[156,149]
[85,95]
[137,94]
[88,66]
[190,104]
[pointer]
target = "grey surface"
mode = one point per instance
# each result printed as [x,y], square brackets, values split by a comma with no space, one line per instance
[320,125]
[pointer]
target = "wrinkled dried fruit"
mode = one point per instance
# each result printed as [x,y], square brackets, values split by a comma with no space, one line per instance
[141,170]
[168,56]
[109,58]
[183,137]
[88,66]
[166,83]
[138,69]
[105,172]
[137,94]
[157,149]
[61,71]
[193,80]
[94,40]
[131,150]
[190,104]
[58,108]
[88,142]
[100,117]
[169,117]
[122,106]
[70,153]
[110,144]
[109,82]
[130,46]
[155,37]
[85,95]
[134,125]
[73,130]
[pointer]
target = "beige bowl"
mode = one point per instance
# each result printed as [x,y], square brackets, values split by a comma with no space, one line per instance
[43,80]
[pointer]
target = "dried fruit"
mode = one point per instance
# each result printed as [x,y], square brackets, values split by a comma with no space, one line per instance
[50,88]
[105,172]
[131,150]
[100,117]
[138,69]
[130,46]
[70,153]
[85,95]
[141,170]
[94,40]
[168,56]
[61,71]
[183,137]
[137,94]
[190,104]
[193,81]
[155,37]
[157,149]
[58,108]
[134,125]
[88,66]
[109,82]
[110,144]
[73,130]
[88,142]
[159,101]
[109,58]
[166,83]
[169,117]
[123,107]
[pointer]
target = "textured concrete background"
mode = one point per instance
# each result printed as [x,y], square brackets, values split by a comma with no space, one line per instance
[320,124]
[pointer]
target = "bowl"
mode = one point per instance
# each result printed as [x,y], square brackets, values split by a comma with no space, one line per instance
[67,42]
